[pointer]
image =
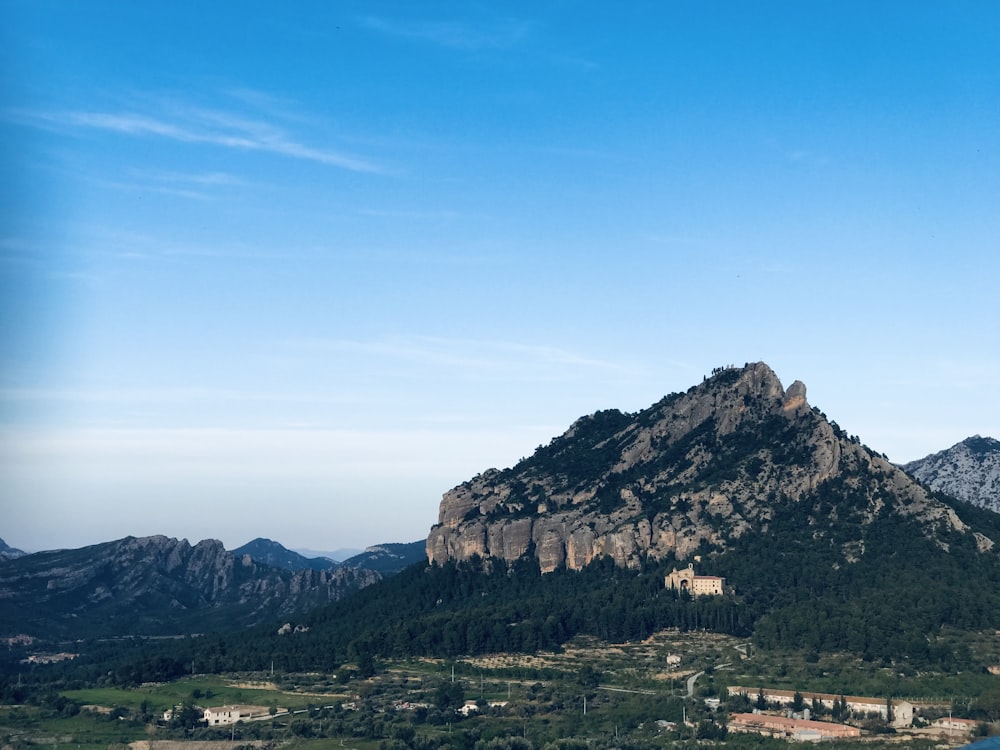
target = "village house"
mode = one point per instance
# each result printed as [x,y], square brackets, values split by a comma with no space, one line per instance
[800,730]
[902,711]
[232,714]
[686,580]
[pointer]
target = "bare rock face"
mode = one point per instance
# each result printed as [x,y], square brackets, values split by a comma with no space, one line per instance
[969,471]
[700,467]
[795,396]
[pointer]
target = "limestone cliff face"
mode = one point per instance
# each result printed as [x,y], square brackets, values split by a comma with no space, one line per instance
[702,466]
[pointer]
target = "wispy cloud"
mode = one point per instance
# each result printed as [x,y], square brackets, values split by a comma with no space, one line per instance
[403,214]
[499,34]
[195,186]
[186,124]
[207,179]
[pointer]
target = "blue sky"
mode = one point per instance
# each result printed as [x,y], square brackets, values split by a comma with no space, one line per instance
[295,272]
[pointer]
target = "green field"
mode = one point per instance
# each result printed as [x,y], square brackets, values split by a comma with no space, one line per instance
[29,726]
[207,690]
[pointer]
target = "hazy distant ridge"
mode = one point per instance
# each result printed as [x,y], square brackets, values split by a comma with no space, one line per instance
[274,554]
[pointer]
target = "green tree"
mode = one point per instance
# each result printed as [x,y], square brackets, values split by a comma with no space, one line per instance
[449,695]
[187,716]
[840,709]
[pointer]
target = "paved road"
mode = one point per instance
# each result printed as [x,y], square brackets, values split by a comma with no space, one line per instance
[691,681]
[693,678]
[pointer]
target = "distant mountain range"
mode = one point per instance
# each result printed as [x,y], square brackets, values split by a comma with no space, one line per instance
[271,553]
[162,586]
[969,470]
[385,559]
[157,586]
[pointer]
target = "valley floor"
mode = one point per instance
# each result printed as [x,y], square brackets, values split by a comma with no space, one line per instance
[669,690]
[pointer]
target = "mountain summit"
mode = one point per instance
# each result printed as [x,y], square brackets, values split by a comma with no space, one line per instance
[969,470]
[695,471]
[9,553]
[272,553]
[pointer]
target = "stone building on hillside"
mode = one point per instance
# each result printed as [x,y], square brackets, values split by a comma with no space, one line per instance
[686,580]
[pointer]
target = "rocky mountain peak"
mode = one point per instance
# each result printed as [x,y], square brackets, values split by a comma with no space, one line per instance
[9,553]
[795,397]
[969,471]
[697,468]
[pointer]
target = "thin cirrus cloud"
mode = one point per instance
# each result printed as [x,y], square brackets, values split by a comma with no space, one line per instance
[498,35]
[196,186]
[196,125]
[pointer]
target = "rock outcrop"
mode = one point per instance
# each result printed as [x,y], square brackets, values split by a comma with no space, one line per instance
[969,471]
[9,553]
[698,468]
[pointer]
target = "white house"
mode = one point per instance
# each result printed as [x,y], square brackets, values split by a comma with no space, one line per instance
[232,714]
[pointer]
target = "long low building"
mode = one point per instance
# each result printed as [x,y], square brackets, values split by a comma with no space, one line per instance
[792,729]
[902,711]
